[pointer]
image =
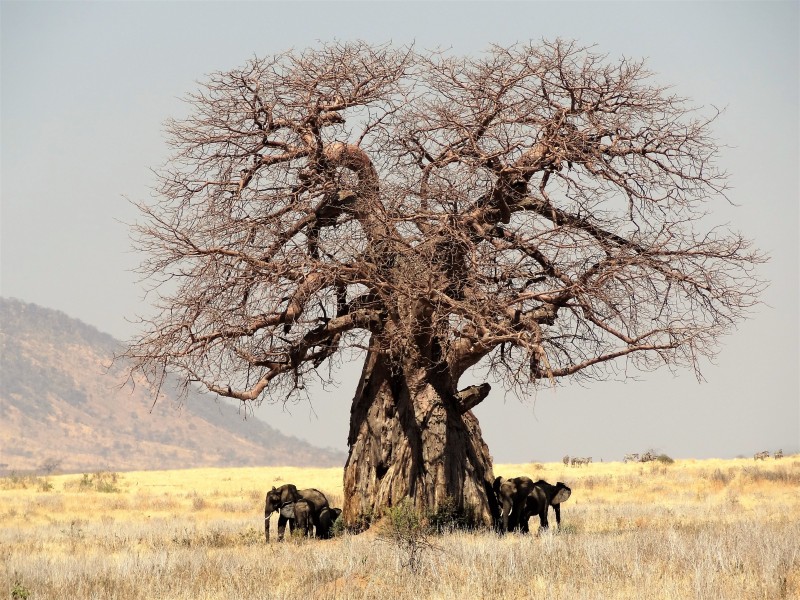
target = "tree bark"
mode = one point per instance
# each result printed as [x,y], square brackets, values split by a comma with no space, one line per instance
[411,438]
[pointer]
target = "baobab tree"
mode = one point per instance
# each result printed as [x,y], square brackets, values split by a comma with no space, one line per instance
[537,212]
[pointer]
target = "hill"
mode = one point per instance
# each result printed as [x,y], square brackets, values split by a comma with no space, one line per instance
[62,402]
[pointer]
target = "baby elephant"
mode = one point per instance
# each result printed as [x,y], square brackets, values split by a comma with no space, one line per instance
[302,517]
[327,517]
[542,496]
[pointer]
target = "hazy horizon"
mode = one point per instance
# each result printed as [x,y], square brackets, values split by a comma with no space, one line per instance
[86,88]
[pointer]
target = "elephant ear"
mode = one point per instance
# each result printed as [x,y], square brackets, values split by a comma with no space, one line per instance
[290,493]
[562,495]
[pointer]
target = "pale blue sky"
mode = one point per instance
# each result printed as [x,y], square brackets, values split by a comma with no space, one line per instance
[87,86]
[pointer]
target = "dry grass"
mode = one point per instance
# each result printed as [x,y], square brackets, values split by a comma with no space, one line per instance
[694,529]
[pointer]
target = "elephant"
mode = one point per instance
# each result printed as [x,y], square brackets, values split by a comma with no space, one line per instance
[542,496]
[512,495]
[327,517]
[302,518]
[281,499]
[284,499]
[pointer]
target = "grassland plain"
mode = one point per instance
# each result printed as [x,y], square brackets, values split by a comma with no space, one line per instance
[721,529]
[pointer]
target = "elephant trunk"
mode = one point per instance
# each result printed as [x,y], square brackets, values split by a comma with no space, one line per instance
[267,515]
[498,481]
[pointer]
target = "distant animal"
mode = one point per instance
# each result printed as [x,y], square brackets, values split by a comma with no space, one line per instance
[631,458]
[577,461]
[565,460]
[648,457]
[779,454]
[763,455]
[542,497]
[284,499]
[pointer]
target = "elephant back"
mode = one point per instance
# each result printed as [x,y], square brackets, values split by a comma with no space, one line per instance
[314,497]
[536,501]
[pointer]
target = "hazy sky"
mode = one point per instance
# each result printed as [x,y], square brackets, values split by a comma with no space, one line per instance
[86,88]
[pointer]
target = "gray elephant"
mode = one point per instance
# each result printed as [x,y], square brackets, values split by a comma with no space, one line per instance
[302,518]
[543,496]
[512,494]
[327,517]
[286,499]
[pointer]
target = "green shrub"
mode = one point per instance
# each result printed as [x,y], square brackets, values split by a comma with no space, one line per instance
[338,528]
[780,474]
[362,523]
[404,520]
[19,591]
[17,480]
[106,482]
[448,516]
[251,537]
[44,485]
[99,481]
[719,477]
[408,530]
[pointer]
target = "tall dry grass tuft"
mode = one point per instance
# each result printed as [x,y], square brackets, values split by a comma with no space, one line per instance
[692,529]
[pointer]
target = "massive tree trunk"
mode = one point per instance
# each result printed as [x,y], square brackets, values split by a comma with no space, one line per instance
[410,437]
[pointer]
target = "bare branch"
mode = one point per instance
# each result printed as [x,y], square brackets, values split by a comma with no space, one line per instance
[539,209]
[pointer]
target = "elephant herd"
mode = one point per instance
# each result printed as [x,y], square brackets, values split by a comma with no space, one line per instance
[518,499]
[303,510]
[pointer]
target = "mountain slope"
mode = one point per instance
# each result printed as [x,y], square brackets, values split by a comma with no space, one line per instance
[61,399]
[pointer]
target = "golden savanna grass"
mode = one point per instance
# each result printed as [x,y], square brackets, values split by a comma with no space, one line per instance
[722,529]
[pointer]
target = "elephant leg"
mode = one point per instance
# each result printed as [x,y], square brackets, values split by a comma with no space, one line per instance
[319,528]
[282,527]
[322,528]
[316,529]
[524,524]
[516,514]
[543,517]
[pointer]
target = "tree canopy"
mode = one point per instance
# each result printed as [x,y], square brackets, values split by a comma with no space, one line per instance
[539,200]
